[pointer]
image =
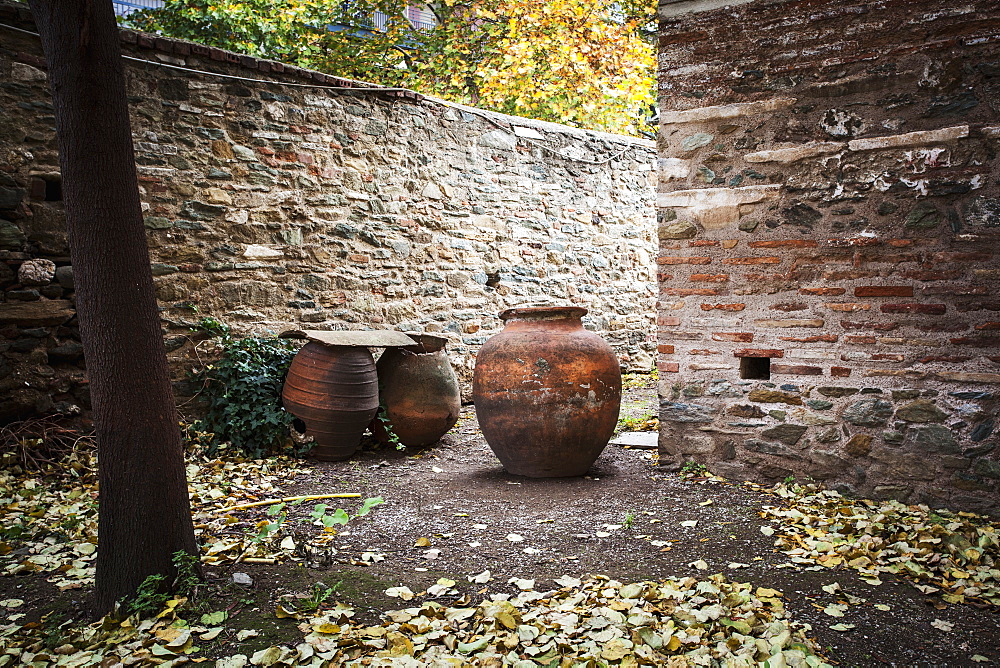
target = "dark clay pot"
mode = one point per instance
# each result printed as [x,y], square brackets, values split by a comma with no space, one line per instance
[334,390]
[547,392]
[419,392]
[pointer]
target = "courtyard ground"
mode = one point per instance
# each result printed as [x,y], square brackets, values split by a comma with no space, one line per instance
[451,514]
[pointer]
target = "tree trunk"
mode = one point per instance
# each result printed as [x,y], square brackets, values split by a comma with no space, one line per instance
[144,515]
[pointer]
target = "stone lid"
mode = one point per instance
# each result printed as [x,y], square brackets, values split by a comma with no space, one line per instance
[427,343]
[369,338]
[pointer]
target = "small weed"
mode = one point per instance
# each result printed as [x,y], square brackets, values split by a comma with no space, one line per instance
[383,419]
[629,520]
[52,630]
[647,422]
[153,593]
[320,593]
[693,468]
[789,480]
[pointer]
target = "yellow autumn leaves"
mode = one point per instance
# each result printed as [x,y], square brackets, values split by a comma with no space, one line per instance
[586,63]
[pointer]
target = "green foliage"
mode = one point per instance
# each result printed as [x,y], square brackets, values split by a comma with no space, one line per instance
[647,422]
[320,593]
[319,516]
[629,520]
[153,593]
[242,392]
[268,529]
[635,380]
[383,419]
[586,63]
[149,597]
[693,468]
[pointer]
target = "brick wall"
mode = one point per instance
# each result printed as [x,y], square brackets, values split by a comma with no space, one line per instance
[829,215]
[271,206]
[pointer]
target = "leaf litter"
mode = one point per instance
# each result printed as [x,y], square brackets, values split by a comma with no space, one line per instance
[586,621]
[51,529]
[595,621]
[954,555]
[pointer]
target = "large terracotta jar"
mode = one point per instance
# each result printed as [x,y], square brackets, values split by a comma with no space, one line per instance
[419,392]
[547,392]
[334,391]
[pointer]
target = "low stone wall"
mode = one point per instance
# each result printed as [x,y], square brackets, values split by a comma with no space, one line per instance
[272,206]
[829,209]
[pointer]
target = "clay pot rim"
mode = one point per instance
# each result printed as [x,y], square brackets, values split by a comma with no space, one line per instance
[543,313]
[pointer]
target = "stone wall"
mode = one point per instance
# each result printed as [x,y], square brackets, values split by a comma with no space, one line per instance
[829,207]
[272,206]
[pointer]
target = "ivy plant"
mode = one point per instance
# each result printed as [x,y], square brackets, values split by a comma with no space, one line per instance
[242,393]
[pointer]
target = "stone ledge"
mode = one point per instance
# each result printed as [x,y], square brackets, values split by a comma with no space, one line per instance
[722,112]
[670,8]
[788,154]
[918,138]
[963,377]
[716,197]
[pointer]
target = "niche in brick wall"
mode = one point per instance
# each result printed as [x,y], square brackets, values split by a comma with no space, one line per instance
[46,188]
[755,368]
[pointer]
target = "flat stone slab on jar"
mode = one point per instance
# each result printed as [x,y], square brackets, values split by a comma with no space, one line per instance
[640,440]
[373,338]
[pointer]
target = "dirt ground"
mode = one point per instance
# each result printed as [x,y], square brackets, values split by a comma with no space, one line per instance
[622,520]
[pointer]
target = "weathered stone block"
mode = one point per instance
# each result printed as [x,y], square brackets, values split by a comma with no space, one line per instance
[11,236]
[768,448]
[789,434]
[774,397]
[868,413]
[678,230]
[831,435]
[681,412]
[859,445]
[989,468]
[10,198]
[969,482]
[43,313]
[893,437]
[36,272]
[982,430]
[837,392]
[982,212]
[202,210]
[725,111]
[811,419]
[745,410]
[921,410]
[932,438]
[923,217]
[789,154]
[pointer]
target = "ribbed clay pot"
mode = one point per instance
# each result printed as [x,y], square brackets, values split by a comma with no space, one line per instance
[547,392]
[334,390]
[419,391]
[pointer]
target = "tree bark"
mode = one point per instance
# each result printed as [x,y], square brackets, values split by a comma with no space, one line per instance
[144,512]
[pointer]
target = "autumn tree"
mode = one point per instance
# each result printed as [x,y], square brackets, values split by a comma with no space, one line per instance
[144,515]
[580,62]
